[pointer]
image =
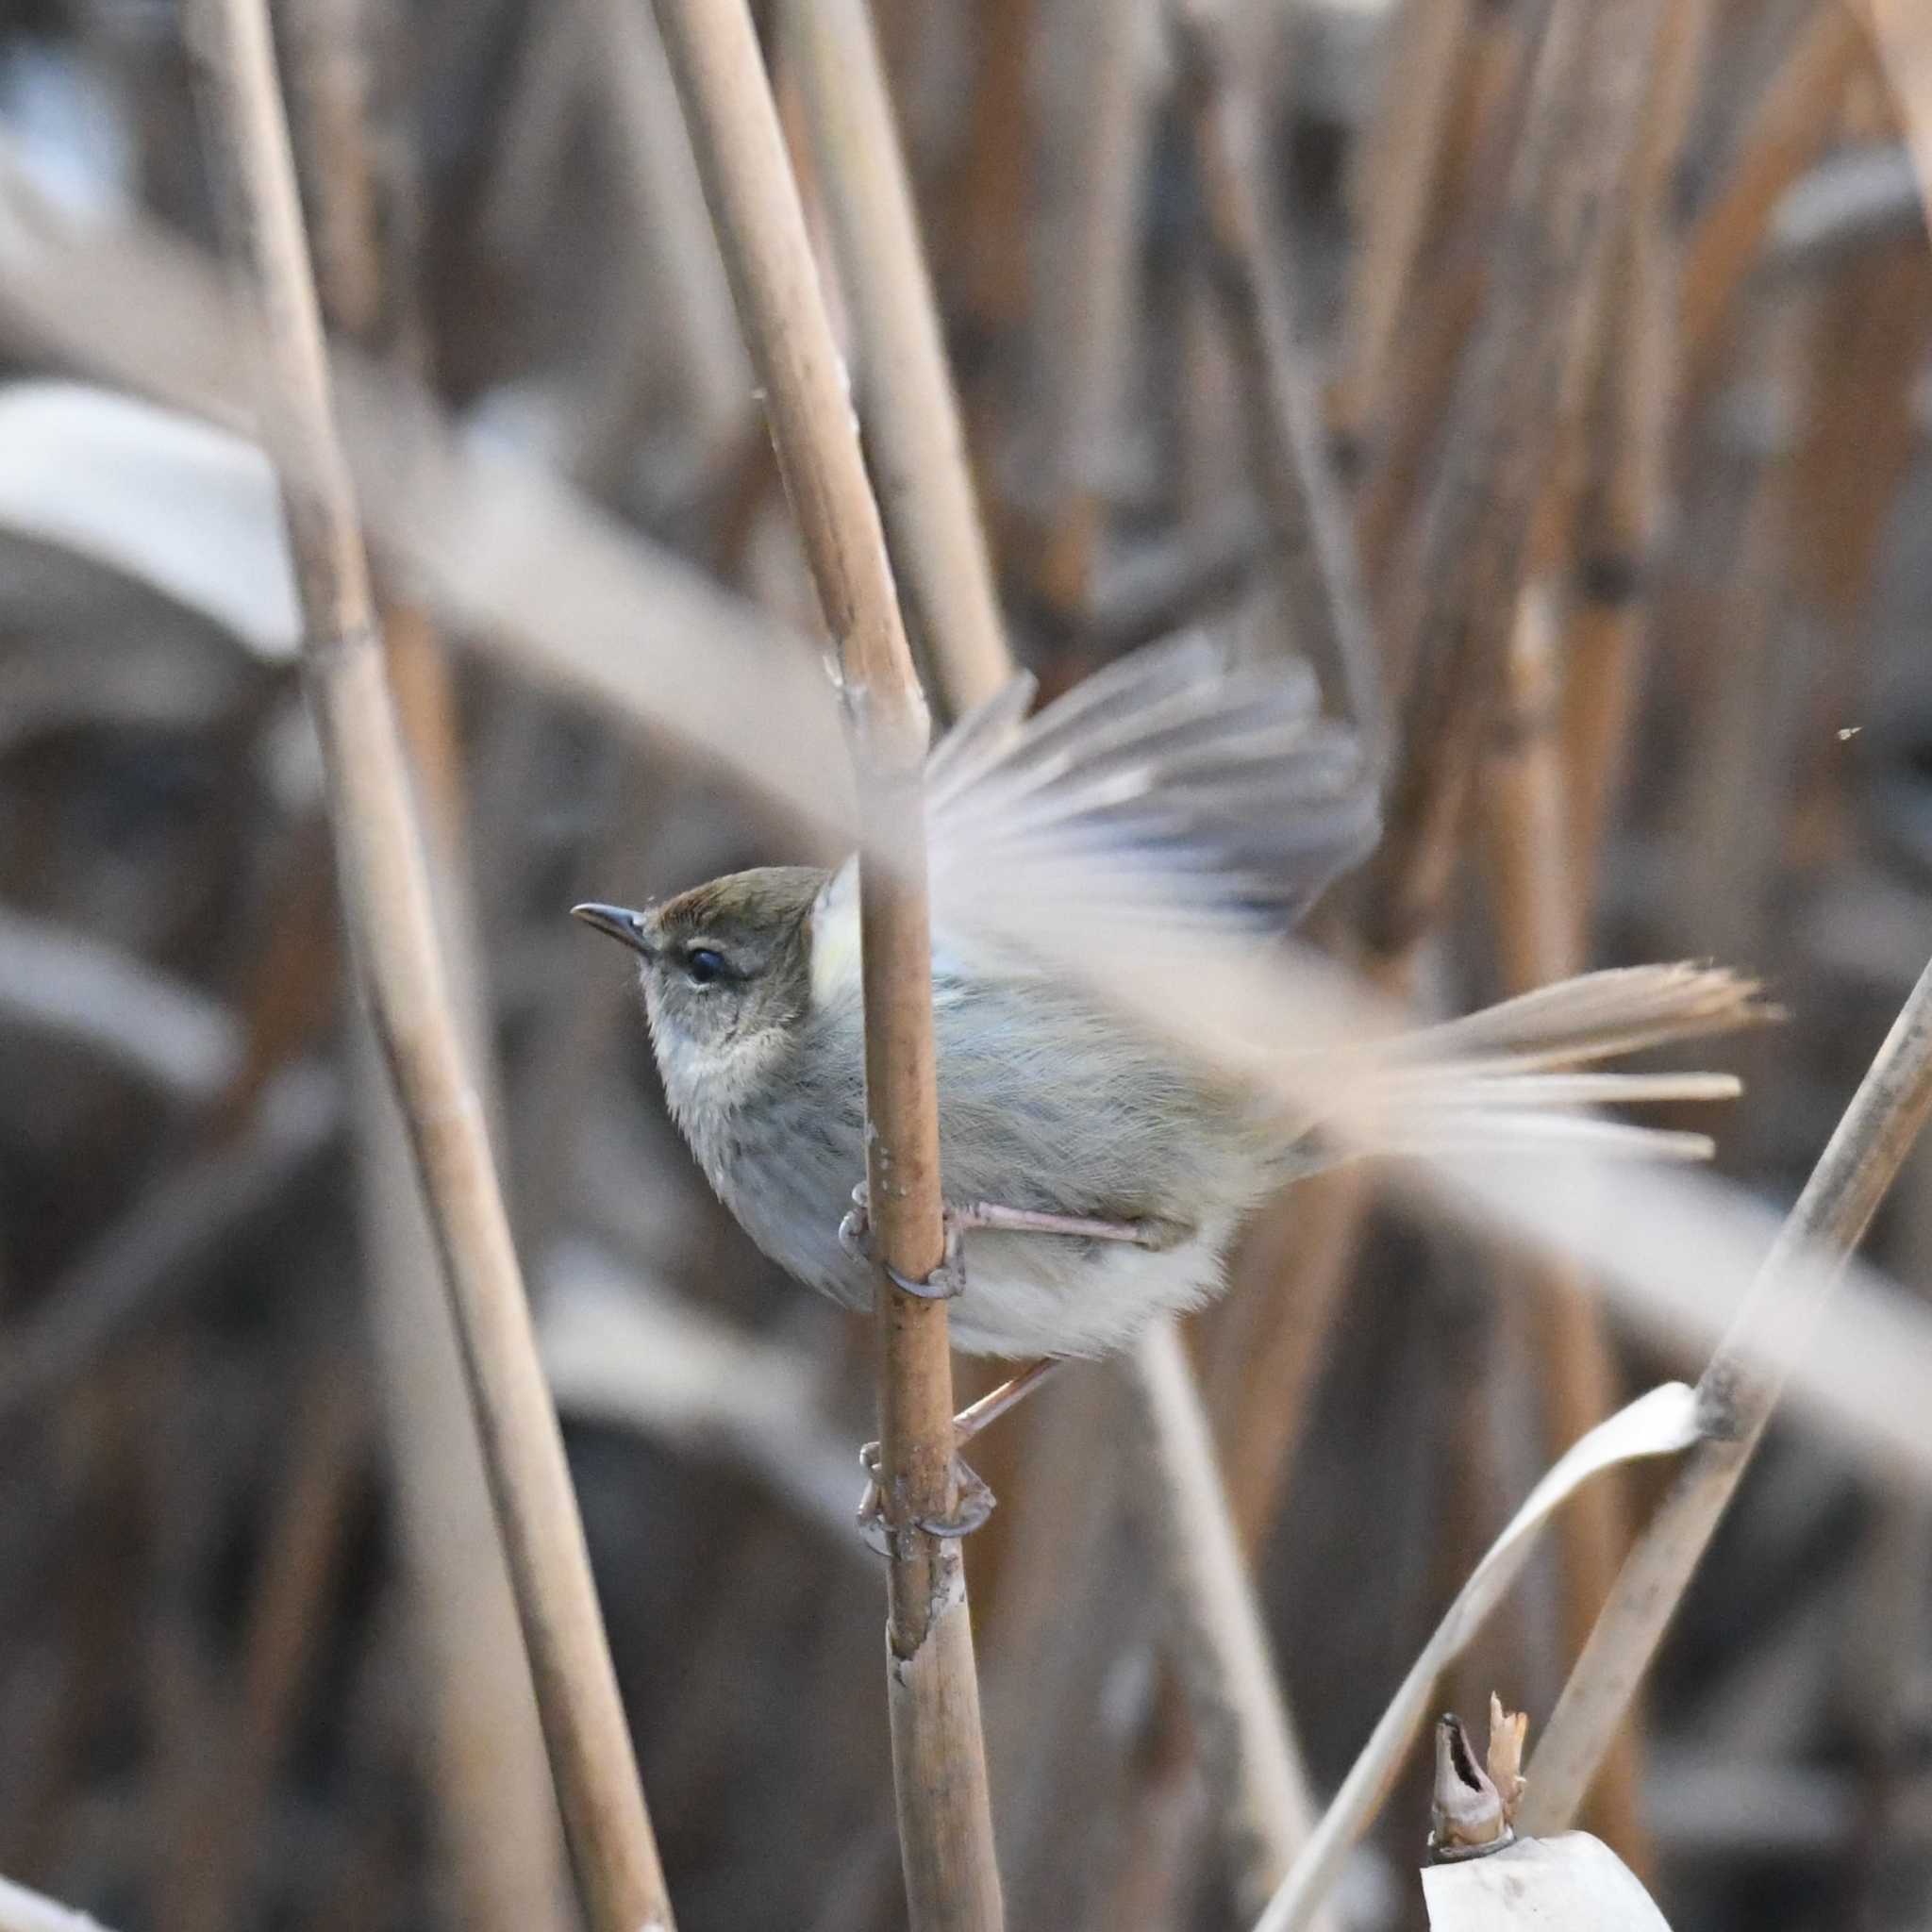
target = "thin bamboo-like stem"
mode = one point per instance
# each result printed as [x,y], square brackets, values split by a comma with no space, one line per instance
[906,397]
[1269,1342]
[1454,620]
[1625,439]
[494,1811]
[307,1544]
[1792,122]
[986,270]
[1085,329]
[1409,418]
[384,880]
[939,1759]
[1399,166]
[1456,617]
[1314,547]
[1537,928]
[1830,1218]
[1219,1645]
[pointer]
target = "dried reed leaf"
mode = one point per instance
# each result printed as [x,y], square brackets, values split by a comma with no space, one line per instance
[154,494]
[1658,1424]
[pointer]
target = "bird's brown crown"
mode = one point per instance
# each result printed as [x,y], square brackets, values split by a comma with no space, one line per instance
[744,908]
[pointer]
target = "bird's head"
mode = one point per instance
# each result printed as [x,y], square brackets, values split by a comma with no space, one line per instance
[726,971]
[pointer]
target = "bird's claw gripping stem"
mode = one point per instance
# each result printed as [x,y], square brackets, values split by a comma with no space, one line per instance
[944,1284]
[972,1504]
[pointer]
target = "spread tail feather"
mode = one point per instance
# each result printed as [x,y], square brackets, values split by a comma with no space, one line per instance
[1507,1075]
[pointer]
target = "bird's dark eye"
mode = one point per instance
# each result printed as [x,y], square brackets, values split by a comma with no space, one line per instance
[705,966]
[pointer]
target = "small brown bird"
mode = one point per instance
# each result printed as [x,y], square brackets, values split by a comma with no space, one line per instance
[1096,1177]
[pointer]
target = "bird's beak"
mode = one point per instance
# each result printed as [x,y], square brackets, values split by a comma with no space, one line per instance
[620,922]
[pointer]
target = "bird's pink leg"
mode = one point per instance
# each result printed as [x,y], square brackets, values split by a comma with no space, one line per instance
[949,1278]
[995,1219]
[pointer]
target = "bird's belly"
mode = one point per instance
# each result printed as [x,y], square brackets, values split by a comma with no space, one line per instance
[1034,1294]
[1024,1295]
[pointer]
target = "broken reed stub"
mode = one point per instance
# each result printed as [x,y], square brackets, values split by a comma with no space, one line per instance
[1569,1883]
[1468,1818]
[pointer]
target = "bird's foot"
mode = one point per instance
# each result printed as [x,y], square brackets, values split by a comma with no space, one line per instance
[944,1284]
[973,1503]
[976,1500]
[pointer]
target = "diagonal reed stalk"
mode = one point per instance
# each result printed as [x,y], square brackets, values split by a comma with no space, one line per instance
[383,876]
[939,1760]
[1737,1401]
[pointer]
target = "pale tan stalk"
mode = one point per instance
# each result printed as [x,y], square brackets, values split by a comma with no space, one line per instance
[1737,1401]
[1218,1643]
[1537,941]
[1087,316]
[1792,122]
[1398,169]
[1269,1340]
[1626,448]
[207,1883]
[906,397]
[945,1825]
[1314,547]
[384,881]
[493,1808]
[1456,619]
[1453,619]
[985,266]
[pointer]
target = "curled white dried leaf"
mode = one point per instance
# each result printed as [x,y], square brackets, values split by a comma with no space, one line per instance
[1658,1424]
[180,506]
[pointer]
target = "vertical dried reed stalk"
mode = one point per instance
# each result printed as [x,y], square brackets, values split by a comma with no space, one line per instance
[1314,547]
[219,1848]
[494,1811]
[1537,928]
[1410,417]
[987,265]
[384,880]
[1398,168]
[906,391]
[1625,452]
[1455,614]
[1831,1216]
[1791,123]
[1453,621]
[1545,810]
[945,1821]
[1085,326]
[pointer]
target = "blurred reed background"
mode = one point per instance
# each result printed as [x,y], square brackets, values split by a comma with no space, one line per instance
[1556,364]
